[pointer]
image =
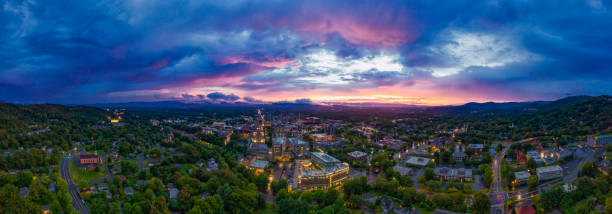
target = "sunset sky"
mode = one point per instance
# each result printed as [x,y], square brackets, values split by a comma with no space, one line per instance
[411,52]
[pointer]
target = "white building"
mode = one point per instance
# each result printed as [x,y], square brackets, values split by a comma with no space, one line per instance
[417,161]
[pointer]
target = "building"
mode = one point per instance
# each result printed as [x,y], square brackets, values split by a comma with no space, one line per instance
[446,173]
[549,172]
[259,166]
[332,173]
[389,143]
[23,191]
[173,193]
[599,141]
[458,156]
[417,161]
[358,156]
[321,137]
[568,187]
[129,191]
[212,165]
[85,159]
[521,177]
[535,155]
[476,147]
[324,160]
[278,146]
[521,158]
[299,147]
[258,136]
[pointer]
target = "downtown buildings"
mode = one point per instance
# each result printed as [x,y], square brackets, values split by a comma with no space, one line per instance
[329,173]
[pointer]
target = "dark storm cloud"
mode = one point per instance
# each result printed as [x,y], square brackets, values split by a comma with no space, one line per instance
[84,51]
[222,96]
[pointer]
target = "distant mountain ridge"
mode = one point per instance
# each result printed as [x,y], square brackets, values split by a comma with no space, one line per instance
[536,105]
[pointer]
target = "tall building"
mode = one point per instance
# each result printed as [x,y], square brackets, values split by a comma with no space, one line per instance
[299,147]
[258,136]
[332,173]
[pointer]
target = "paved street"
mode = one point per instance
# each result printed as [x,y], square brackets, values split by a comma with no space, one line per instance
[73,190]
[108,172]
[497,195]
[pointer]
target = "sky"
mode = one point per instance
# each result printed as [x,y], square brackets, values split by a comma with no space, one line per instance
[407,52]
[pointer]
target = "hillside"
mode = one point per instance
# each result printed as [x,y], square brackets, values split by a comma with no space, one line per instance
[17,118]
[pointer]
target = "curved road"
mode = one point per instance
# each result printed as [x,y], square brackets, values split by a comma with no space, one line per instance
[73,190]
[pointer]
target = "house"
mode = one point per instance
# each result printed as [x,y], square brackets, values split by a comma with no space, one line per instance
[521,158]
[173,193]
[24,191]
[46,209]
[212,165]
[102,186]
[153,162]
[568,187]
[51,186]
[116,170]
[140,183]
[129,191]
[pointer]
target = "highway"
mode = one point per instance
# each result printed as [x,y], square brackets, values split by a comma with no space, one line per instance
[73,190]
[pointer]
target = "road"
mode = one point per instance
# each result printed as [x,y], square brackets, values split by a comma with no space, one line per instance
[73,189]
[108,172]
[574,173]
[497,195]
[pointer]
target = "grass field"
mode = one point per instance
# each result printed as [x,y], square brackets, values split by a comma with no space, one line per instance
[79,174]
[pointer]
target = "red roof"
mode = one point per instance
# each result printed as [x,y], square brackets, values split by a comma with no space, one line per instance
[525,210]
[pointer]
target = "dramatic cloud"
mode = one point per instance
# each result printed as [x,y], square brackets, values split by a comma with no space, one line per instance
[221,96]
[414,52]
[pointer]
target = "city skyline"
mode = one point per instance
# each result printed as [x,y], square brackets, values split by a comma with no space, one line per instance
[416,53]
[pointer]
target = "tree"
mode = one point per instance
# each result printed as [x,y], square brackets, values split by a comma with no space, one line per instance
[291,206]
[355,186]
[488,176]
[421,180]
[531,164]
[533,182]
[261,181]
[481,203]
[278,185]
[588,169]
[609,205]
[551,199]
[429,174]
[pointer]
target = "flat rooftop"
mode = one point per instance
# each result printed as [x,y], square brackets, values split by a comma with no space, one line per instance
[357,154]
[324,157]
[546,169]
